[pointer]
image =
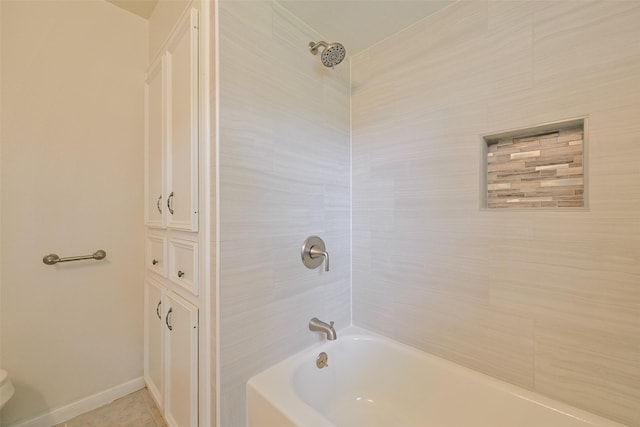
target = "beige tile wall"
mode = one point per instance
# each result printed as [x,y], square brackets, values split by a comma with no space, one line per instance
[284,175]
[544,299]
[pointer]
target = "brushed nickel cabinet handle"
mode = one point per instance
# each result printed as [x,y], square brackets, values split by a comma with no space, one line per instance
[170,203]
[158,309]
[166,319]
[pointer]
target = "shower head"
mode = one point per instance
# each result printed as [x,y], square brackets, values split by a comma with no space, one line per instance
[332,55]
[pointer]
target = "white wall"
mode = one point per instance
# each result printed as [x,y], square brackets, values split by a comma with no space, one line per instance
[545,299]
[72,182]
[284,175]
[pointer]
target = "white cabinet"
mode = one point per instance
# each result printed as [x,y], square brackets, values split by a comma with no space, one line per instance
[172,131]
[173,299]
[171,354]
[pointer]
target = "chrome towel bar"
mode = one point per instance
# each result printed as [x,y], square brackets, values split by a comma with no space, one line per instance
[54,258]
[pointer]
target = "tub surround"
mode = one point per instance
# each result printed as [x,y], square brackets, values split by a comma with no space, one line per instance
[284,176]
[545,300]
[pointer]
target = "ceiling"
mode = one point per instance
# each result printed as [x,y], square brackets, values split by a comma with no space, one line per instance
[142,8]
[357,24]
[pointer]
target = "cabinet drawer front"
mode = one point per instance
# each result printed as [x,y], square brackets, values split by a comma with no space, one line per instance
[183,269]
[156,257]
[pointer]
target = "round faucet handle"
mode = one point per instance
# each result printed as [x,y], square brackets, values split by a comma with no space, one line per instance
[331,324]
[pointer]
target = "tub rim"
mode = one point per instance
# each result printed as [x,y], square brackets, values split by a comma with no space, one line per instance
[303,414]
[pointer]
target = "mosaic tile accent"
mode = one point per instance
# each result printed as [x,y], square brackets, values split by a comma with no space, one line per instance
[537,171]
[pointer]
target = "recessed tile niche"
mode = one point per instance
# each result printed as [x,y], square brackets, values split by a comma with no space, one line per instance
[537,167]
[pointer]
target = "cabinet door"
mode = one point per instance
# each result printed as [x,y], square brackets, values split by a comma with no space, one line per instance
[181,373]
[154,147]
[182,125]
[153,341]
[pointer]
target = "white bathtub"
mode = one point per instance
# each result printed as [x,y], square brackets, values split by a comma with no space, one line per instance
[372,381]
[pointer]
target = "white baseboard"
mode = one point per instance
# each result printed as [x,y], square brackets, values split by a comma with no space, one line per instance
[83,405]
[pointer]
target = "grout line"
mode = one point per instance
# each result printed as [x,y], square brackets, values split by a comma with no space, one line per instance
[350,193]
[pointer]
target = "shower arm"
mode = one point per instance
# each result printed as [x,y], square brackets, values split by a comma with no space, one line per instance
[313,47]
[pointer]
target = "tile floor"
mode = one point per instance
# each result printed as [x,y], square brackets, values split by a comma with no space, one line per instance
[134,410]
